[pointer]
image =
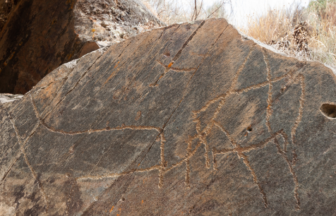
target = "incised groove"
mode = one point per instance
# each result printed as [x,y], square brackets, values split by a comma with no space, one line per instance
[299,78]
[201,137]
[282,152]
[270,91]
[23,153]
[178,54]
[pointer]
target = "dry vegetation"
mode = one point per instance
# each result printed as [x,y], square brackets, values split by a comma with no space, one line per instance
[174,11]
[308,33]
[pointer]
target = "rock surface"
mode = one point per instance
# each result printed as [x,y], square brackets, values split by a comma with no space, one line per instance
[39,36]
[191,119]
[6,98]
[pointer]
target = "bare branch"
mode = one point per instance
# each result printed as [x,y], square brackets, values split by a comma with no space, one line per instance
[216,10]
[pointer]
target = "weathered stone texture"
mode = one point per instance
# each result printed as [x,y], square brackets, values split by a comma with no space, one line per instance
[38,36]
[6,98]
[190,119]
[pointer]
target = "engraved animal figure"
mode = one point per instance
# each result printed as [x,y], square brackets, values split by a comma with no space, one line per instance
[236,148]
[201,135]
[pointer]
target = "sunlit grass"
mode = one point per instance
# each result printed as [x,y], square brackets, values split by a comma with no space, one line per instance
[276,28]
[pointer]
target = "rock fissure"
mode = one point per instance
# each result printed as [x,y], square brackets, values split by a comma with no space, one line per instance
[178,54]
[293,131]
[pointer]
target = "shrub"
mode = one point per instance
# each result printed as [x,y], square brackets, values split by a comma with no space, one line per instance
[308,33]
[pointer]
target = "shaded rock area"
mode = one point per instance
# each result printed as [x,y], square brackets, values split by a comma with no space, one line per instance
[38,36]
[5,9]
[190,119]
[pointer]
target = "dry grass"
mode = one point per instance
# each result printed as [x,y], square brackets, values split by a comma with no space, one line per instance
[304,33]
[167,11]
[176,11]
[323,43]
[150,8]
[274,26]
[308,33]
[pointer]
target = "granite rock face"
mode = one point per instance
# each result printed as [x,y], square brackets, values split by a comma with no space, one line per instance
[6,98]
[191,119]
[38,36]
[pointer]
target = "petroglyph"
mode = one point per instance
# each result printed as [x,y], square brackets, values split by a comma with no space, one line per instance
[177,56]
[270,91]
[163,162]
[170,67]
[22,152]
[202,134]
[299,78]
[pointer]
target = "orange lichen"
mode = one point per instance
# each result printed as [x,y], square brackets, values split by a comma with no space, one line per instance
[111,209]
[110,77]
[117,64]
[142,202]
[93,30]
[170,64]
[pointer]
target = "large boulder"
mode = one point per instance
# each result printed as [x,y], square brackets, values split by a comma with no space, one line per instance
[38,36]
[191,119]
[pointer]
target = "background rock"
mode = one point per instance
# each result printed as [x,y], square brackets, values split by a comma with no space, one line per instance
[5,9]
[39,36]
[191,119]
